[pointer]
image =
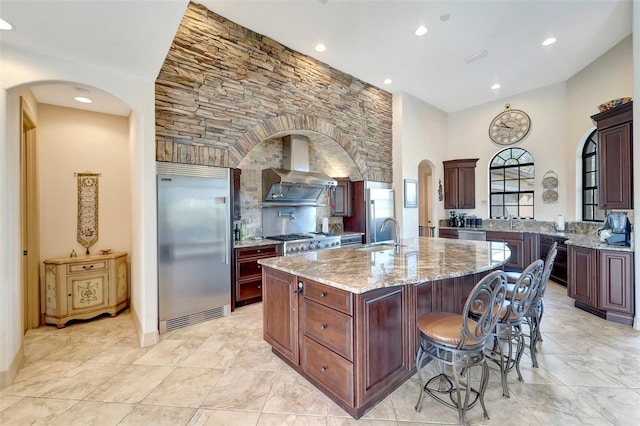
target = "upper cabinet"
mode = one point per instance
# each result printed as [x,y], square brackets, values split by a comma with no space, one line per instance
[235,193]
[340,198]
[615,157]
[460,183]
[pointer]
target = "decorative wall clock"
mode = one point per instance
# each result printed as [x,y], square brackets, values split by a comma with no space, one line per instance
[510,126]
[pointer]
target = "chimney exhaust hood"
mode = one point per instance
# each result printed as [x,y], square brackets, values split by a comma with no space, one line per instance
[294,185]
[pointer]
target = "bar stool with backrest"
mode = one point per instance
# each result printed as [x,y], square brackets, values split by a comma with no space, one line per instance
[459,341]
[535,312]
[508,332]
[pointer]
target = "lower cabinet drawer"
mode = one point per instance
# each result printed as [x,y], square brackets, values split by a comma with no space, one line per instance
[247,268]
[331,328]
[249,289]
[74,268]
[328,368]
[332,297]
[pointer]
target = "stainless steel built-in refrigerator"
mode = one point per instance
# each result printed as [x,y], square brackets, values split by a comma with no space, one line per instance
[380,205]
[194,244]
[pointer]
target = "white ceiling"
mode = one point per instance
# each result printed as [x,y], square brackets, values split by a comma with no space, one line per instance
[372,40]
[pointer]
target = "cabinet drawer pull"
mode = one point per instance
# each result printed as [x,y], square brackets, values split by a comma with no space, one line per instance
[323,294]
[259,266]
[259,286]
[87,267]
[259,250]
[323,369]
[323,327]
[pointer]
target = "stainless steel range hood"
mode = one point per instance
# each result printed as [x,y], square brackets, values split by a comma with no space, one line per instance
[294,185]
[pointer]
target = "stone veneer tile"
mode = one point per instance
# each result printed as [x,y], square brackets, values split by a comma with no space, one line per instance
[223,89]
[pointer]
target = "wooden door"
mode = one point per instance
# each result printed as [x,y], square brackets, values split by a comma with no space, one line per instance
[582,275]
[616,281]
[383,341]
[280,318]
[30,229]
[466,188]
[450,188]
[614,153]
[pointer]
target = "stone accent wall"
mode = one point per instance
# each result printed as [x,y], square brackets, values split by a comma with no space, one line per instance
[223,89]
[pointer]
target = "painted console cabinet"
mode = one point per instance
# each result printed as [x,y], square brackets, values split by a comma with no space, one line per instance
[85,287]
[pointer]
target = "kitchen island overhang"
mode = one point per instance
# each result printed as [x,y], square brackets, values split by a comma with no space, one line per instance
[345,319]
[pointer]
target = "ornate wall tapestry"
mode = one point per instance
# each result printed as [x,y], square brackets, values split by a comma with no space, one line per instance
[87,209]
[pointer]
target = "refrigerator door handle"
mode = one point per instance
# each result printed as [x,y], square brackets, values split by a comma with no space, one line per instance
[372,223]
[223,200]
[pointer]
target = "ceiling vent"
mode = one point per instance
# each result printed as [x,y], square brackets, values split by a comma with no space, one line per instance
[476,56]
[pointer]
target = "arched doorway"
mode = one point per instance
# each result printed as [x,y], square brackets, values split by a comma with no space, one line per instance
[426,199]
[69,139]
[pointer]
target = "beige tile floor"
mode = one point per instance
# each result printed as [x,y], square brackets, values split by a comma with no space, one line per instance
[222,373]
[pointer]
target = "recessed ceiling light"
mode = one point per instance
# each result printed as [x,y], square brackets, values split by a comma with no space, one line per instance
[83,99]
[495,86]
[321,47]
[82,95]
[421,30]
[4,25]
[549,41]
[387,81]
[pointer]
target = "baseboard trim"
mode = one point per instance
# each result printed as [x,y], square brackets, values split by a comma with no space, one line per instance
[8,376]
[145,339]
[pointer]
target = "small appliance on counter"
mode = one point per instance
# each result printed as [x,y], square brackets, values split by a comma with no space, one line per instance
[461,220]
[616,230]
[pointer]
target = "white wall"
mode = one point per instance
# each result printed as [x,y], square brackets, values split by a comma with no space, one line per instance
[469,138]
[70,141]
[419,133]
[20,69]
[608,77]
[560,116]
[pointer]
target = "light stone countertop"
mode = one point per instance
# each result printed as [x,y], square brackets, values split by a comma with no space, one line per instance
[572,239]
[419,260]
[250,242]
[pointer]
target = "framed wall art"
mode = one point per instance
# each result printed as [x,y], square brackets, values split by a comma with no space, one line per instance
[410,193]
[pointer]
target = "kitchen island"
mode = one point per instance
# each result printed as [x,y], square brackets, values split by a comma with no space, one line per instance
[345,319]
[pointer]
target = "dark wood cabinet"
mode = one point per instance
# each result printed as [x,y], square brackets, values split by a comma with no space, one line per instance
[247,276]
[382,339]
[615,157]
[341,198]
[357,222]
[559,271]
[280,313]
[582,285]
[531,248]
[515,242]
[616,285]
[448,233]
[460,183]
[235,194]
[356,348]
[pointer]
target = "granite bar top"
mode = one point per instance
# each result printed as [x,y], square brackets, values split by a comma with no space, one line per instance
[250,242]
[418,260]
[582,234]
[572,239]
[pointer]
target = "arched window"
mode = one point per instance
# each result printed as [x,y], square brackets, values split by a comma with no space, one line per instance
[590,193]
[511,179]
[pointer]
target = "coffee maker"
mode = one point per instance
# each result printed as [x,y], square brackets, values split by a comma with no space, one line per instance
[616,230]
